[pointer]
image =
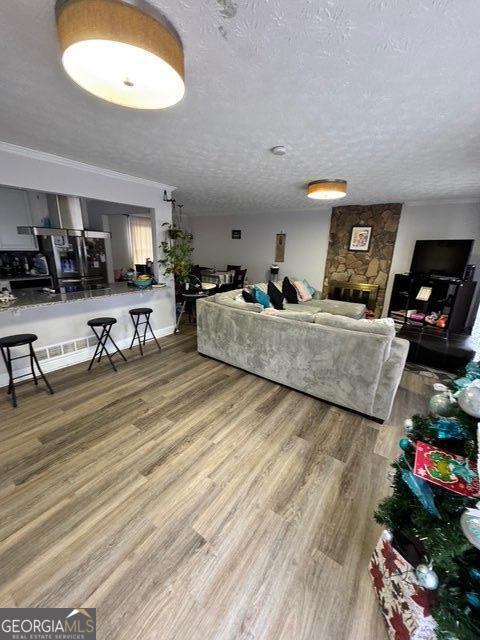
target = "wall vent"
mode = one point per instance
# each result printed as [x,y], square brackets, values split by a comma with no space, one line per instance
[54,352]
[65,348]
[68,347]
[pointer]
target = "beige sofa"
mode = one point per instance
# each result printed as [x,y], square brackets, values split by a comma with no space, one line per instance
[350,362]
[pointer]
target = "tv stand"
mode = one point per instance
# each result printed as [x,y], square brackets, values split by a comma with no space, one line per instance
[447,347]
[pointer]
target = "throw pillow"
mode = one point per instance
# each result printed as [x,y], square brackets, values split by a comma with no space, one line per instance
[275,295]
[302,291]
[261,297]
[289,291]
[309,287]
[247,296]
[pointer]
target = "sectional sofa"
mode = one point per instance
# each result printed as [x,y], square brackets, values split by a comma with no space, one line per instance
[322,347]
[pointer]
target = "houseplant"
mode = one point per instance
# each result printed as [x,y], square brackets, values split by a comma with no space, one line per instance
[177,251]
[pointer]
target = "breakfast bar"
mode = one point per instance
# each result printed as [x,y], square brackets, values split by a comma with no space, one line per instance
[60,320]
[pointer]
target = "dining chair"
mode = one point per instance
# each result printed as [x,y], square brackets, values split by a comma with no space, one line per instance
[239,279]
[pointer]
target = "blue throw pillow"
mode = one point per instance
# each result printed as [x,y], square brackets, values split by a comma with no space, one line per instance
[261,297]
[309,287]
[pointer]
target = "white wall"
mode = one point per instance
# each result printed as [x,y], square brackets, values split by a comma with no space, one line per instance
[434,221]
[306,243]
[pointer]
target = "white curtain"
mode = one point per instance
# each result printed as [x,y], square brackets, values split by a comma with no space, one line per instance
[141,239]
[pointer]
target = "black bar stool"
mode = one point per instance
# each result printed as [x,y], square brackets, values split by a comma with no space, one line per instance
[106,325]
[136,315]
[8,343]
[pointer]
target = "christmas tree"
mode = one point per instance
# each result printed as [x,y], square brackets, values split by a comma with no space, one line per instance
[432,517]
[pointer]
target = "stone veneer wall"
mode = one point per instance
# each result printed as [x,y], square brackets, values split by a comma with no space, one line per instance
[372,266]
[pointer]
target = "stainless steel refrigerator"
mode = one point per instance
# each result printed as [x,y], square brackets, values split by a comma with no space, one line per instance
[76,262]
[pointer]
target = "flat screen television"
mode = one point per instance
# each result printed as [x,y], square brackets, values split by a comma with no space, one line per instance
[441,257]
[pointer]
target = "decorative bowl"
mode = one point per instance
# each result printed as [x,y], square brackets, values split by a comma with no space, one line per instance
[142,284]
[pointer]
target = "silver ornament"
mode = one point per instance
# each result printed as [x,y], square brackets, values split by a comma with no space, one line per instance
[442,405]
[469,400]
[387,535]
[426,577]
[408,425]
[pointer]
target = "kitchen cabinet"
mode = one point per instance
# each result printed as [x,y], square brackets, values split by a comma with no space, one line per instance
[15,211]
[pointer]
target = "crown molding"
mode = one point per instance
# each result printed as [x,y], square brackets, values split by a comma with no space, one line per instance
[440,201]
[34,154]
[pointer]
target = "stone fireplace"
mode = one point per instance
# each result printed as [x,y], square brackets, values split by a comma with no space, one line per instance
[370,267]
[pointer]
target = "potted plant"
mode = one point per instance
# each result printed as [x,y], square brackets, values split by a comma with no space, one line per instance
[177,251]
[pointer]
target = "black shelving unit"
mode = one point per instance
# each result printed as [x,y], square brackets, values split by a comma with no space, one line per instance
[448,348]
[449,296]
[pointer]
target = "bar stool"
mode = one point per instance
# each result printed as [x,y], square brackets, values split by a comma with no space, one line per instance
[136,315]
[8,343]
[106,325]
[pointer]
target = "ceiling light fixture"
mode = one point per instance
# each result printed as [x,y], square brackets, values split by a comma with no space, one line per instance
[122,51]
[327,189]
[279,150]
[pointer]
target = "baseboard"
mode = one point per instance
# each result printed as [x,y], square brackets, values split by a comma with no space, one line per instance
[82,355]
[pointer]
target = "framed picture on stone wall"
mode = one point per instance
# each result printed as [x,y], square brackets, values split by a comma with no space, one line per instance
[360,238]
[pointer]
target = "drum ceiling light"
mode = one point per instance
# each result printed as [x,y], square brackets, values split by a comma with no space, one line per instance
[122,51]
[327,189]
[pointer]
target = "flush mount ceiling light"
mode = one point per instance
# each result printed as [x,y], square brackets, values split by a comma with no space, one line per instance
[121,51]
[327,189]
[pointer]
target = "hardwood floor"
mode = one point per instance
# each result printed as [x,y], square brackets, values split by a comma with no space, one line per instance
[186,499]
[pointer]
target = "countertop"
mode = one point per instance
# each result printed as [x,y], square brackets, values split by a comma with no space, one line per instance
[34,297]
[15,278]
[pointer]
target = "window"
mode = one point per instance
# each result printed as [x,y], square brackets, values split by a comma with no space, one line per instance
[141,239]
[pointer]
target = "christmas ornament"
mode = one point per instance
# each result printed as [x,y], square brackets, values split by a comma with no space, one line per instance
[387,535]
[426,577]
[473,369]
[473,599]
[448,429]
[408,424]
[470,523]
[405,444]
[438,467]
[469,399]
[443,403]
[472,372]
[474,574]
[422,491]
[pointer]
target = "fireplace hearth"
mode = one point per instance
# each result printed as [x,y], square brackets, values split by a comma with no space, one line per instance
[354,292]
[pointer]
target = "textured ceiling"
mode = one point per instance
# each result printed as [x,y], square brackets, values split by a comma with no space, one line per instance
[383,93]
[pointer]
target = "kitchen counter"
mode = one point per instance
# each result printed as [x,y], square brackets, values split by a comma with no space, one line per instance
[34,297]
[16,278]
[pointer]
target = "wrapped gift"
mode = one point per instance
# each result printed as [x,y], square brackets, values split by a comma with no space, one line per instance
[404,603]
